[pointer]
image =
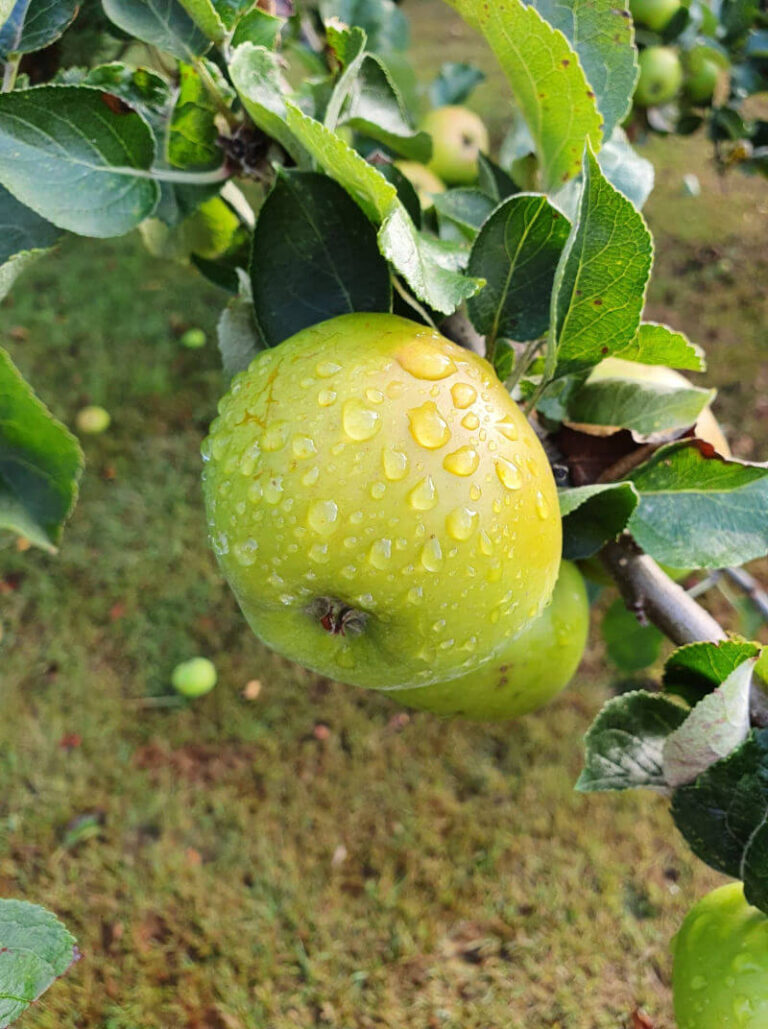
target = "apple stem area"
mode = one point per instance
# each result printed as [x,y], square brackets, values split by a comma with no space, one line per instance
[336,617]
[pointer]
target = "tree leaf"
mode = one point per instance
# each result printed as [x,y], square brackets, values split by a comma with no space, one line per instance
[161,23]
[624,743]
[698,668]
[698,509]
[715,727]
[40,463]
[147,92]
[375,109]
[204,14]
[461,213]
[192,133]
[630,645]
[454,82]
[517,252]
[6,6]
[754,867]
[646,408]
[428,267]
[600,282]
[625,169]
[13,268]
[593,515]
[35,950]
[35,24]
[258,27]
[239,337]
[315,256]
[22,229]
[601,33]
[493,180]
[658,344]
[547,79]
[79,181]
[383,22]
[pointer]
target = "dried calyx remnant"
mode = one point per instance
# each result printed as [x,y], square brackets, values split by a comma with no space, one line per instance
[336,617]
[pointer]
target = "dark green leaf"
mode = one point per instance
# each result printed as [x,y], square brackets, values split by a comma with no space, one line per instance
[161,23]
[517,252]
[35,950]
[406,191]
[695,670]
[630,645]
[35,24]
[461,213]
[593,515]
[144,90]
[383,22]
[754,868]
[21,229]
[40,463]
[624,743]
[315,256]
[698,509]
[79,181]
[493,180]
[454,82]
[375,109]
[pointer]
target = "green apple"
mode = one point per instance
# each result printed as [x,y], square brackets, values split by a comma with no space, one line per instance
[529,671]
[720,978]
[380,505]
[92,420]
[655,14]
[424,181]
[702,73]
[193,339]
[458,138]
[194,678]
[661,76]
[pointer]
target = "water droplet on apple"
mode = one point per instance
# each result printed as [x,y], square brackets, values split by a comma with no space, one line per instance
[509,474]
[463,395]
[426,361]
[428,427]
[463,461]
[395,464]
[432,555]
[360,422]
[461,523]
[323,516]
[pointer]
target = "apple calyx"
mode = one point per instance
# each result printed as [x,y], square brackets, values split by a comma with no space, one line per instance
[336,617]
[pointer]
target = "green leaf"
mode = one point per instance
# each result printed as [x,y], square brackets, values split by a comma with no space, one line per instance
[161,23]
[148,93]
[238,332]
[658,344]
[35,950]
[375,109]
[79,181]
[493,180]
[454,82]
[315,256]
[625,169]
[722,811]
[13,268]
[717,725]
[405,190]
[698,668]
[601,32]
[192,132]
[754,868]
[698,509]
[22,229]
[204,14]
[593,515]
[517,252]
[645,408]
[461,213]
[35,24]
[382,21]
[630,645]
[258,27]
[624,743]
[600,282]
[6,6]
[547,79]
[40,463]
[429,268]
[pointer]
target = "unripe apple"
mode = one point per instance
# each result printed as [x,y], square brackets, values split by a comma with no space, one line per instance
[661,76]
[529,671]
[458,138]
[381,507]
[655,14]
[424,181]
[92,420]
[194,678]
[720,978]
[193,339]
[702,73]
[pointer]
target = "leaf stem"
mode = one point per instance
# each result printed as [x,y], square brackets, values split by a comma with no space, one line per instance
[189,178]
[523,364]
[10,72]
[215,93]
[411,301]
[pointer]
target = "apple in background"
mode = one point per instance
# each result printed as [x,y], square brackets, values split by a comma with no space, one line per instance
[661,76]
[194,678]
[459,136]
[92,420]
[702,72]
[193,339]
[424,181]
[654,14]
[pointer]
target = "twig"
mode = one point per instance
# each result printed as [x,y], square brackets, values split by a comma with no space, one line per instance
[749,585]
[10,71]
[411,301]
[459,328]
[625,464]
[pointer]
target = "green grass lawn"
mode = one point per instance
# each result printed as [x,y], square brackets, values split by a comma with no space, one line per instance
[314,856]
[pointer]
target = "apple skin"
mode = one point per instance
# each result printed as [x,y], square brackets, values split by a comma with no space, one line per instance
[92,420]
[459,136]
[530,670]
[424,181]
[661,76]
[702,73]
[655,14]
[720,978]
[194,678]
[379,504]
[193,339]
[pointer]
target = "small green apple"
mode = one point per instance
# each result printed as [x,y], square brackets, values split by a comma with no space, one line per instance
[529,671]
[702,73]
[655,14]
[194,678]
[458,138]
[720,977]
[661,76]
[424,181]
[381,507]
[193,339]
[92,420]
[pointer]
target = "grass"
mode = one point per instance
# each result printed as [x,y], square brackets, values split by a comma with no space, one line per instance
[312,857]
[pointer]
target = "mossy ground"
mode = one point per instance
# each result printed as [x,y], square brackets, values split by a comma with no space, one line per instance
[314,856]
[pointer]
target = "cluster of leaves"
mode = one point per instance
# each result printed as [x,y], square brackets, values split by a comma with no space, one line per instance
[733,34]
